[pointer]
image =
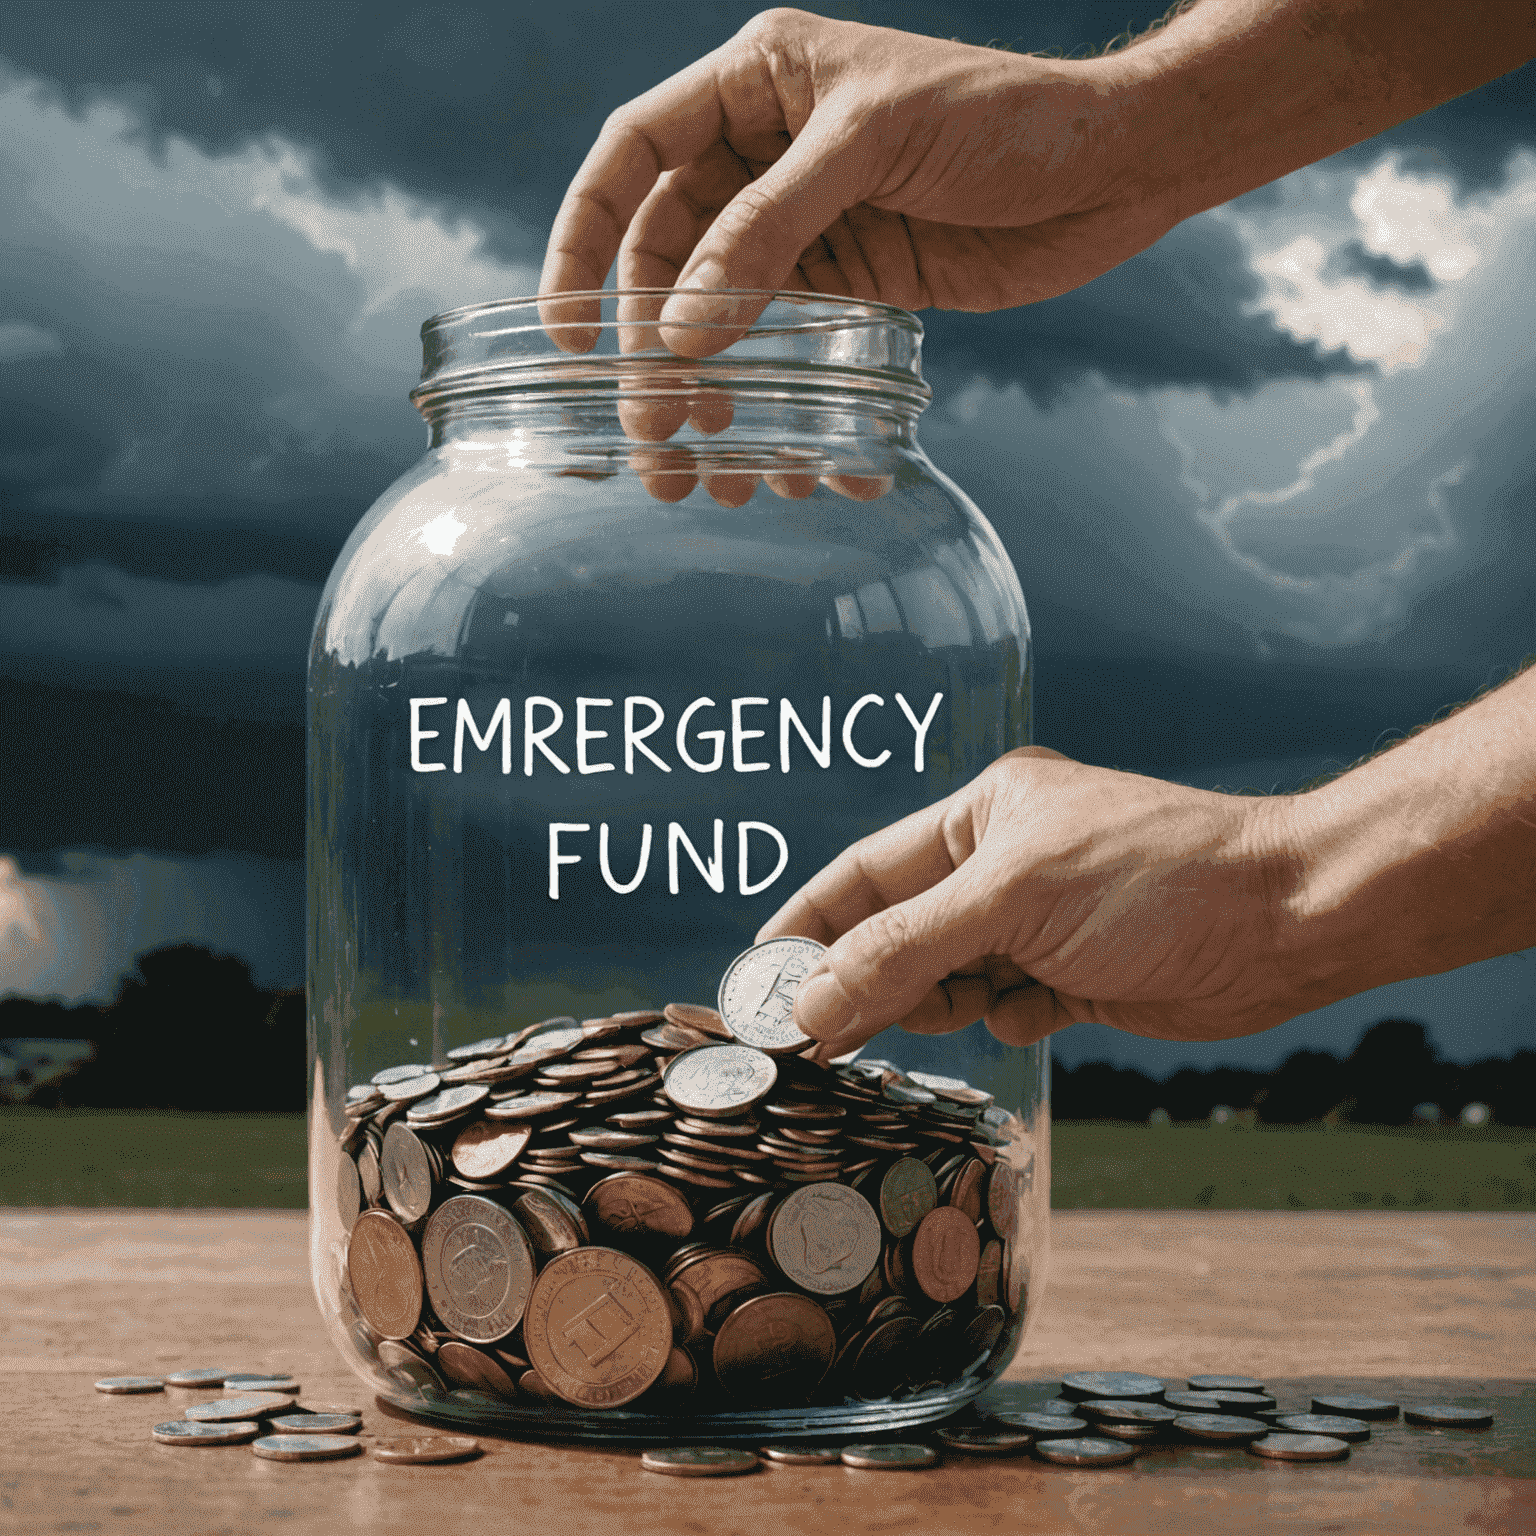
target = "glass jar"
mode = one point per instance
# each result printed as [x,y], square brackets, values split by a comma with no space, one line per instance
[640,645]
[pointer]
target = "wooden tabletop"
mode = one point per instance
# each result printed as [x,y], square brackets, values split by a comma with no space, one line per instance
[1415,1307]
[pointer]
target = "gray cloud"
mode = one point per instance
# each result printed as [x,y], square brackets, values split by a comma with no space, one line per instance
[1353,260]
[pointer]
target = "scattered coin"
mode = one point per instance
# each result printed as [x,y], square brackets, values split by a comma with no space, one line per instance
[1126,1411]
[250,1405]
[1221,1428]
[189,1432]
[803,1455]
[1299,1447]
[1042,1426]
[1224,1384]
[984,1439]
[203,1377]
[700,1461]
[757,994]
[1104,1384]
[119,1385]
[1323,1424]
[253,1381]
[417,1449]
[306,1447]
[317,1423]
[894,1456]
[1240,1402]
[1086,1452]
[1354,1407]
[1448,1416]
[1193,1402]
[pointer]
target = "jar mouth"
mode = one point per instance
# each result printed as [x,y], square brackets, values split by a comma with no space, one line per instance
[587,335]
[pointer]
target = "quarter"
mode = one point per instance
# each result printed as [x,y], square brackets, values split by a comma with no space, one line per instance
[715,1080]
[478,1266]
[121,1385]
[249,1405]
[895,1456]
[1086,1452]
[1323,1424]
[189,1432]
[700,1461]
[757,994]
[306,1447]
[1300,1448]
[317,1423]
[1448,1416]
[1355,1407]
[826,1238]
[1101,1384]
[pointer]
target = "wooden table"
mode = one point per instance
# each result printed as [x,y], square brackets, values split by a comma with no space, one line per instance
[1415,1307]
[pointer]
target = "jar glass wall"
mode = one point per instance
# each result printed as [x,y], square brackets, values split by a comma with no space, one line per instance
[640,645]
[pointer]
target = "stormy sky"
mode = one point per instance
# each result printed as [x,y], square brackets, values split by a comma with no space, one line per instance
[1268,486]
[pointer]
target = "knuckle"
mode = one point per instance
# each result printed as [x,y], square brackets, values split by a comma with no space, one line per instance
[886,936]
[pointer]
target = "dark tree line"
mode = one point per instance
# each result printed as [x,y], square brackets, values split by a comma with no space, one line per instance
[192,1031]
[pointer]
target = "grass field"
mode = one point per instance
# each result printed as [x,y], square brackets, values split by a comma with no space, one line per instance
[127,1157]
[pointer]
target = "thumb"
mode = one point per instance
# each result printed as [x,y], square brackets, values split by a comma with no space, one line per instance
[758,238]
[879,971]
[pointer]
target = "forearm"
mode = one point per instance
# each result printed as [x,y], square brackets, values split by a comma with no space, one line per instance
[1420,860]
[1235,93]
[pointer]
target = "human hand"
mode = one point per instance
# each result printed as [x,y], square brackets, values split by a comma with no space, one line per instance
[1049,892]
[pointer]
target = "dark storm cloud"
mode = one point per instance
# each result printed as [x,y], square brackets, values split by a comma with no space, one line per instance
[1381,272]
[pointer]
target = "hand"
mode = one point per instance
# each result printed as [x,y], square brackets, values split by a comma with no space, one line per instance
[1049,892]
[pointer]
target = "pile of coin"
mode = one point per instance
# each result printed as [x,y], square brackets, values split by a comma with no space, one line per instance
[680,1209]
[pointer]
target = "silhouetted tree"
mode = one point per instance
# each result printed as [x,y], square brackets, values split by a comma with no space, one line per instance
[1305,1086]
[1392,1068]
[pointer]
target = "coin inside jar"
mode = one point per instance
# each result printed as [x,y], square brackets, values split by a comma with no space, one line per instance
[826,1238]
[946,1252]
[478,1266]
[774,1349]
[385,1274]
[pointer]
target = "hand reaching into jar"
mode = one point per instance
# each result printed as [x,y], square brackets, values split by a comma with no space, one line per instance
[1048,892]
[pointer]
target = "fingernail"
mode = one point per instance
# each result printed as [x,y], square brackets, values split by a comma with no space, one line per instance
[685,307]
[822,1009]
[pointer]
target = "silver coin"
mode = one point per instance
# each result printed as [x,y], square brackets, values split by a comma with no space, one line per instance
[825,1238]
[529,1106]
[478,1049]
[1323,1424]
[478,1265]
[408,1090]
[317,1423]
[1089,1451]
[1193,1402]
[757,994]
[203,1377]
[895,1456]
[1355,1407]
[985,1439]
[1224,1384]
[1220,1428]
[719,1079]
[700,1461]
[1043,1426]
[188,1432]
[446,1104]
[409,1369]
[1126,1411]
[1102,1384]
[120,1385]
[397,1075]
[414,1450]
[1448,1416]
[803,1455]
[1299,1448]
[254,1381]
[249,1405]
[405,1171]
[306,1447]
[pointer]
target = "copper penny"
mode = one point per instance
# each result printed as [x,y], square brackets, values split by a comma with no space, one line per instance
[553,1224]
[696,1016]
[638,1203]
[413,1449]
[466,1366]
[989,1273]
[485,1149]
[385,1275]
[1003,1199]
[774,1349]
[700,1461]
[965,1194]
[598,1328]
[478,1266]
[946,1251]
[716,1274]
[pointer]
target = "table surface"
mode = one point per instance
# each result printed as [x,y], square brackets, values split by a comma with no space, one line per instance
[1415,1307]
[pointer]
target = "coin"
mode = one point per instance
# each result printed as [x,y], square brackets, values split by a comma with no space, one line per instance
[405,1169]
[1299,1448]
[803,1455]
[385,1275]
[1448,1416]
[250,1381]
[203,1376]
[965,1194]
[530,1106]
[1224,1384]
[1125,1411]
[447,1104]
[639,1204]
[1353,1407]
[1086,1452]
[946,1251]
[189,1432]
[120,1385]
[306,1447]
[409,1369]
[1042,1426]
[706,1021]
[825,1238]
[598,1328]
[1241,1402]
[1003,1199]
[895,1456]
[317,1423]
[883,1358]
[907,1193]
[478,1266]
[1324,1424]
[985,1440]
[493,1046]
[485,1149]
[700,1461]
[398,1074]
[757,994]
[469,1367]
[1102,1384]
[1194,1402]
[719,1079]
[416,1449]
[249,1405]
[409,1089]
[349,1191]
[774,1349]
[1220,1427]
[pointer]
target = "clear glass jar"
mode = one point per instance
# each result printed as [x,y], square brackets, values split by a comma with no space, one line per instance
[640,644]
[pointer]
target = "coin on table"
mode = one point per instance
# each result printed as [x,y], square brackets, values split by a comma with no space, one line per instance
[636,1203]
[385,1275]
[895,1456]
[1241,1402]
[249,1405]
[485,1149]
[203,1377]
[306,1447]
[907,1192]
[1120,1410]
[804,1455]
[317,1423]
[1448,1416]
[188,1432]
[405,1168]
[477,1049]
[1193,1402]
[984,1439]
[1353,1407]
[478,1266]
[1102,1384]
[946,1252]
[757,994]
[120,1385]
[1323,1424]
[256,1381]
[1224,1384]
[417,1449]
[1219,1428]
[825,1237]
[1284,1447]
[714,1080]
[1089,1451]
[774,1349]
[597,1328]
[1043,1426]
[700,1461]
